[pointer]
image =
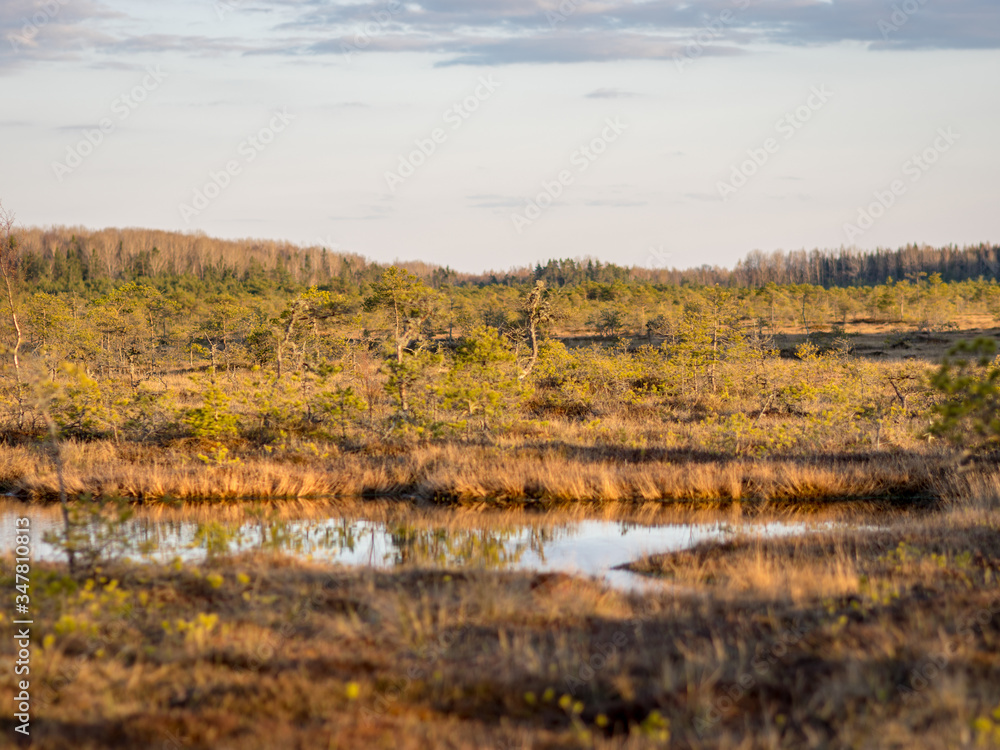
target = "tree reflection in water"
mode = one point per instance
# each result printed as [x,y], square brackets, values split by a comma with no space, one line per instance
[393,543]
[488,548]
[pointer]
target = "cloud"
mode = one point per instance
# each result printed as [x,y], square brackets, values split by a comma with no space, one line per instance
[160,43]
[789,196]
[611,93]
[615,203]
[553,48]
[500,32]
[490,200]
[494,32]
[32,30]
[74,128]
[91,31]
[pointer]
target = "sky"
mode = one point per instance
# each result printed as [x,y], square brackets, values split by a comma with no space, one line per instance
[489,134]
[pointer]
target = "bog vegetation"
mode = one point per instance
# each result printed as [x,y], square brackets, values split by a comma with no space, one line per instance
[155,366]
[174,365]
[884,636]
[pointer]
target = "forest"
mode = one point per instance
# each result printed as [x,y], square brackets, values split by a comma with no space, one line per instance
[66,258]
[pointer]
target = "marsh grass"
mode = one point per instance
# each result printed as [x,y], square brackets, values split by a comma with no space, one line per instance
[887,636]
[513,472]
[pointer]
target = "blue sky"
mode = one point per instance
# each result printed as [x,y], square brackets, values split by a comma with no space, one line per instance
[488,133]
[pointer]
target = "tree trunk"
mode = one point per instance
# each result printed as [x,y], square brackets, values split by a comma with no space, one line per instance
[18,338]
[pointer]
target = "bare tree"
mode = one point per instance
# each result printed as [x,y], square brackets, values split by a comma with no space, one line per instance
[537,311]
[9,256]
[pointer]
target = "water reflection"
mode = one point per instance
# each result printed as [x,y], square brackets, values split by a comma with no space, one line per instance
[428,539]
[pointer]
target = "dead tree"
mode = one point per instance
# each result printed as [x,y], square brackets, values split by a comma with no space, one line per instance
[9,268]
[537,310]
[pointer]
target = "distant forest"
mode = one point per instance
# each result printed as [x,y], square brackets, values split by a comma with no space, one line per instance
[67,259]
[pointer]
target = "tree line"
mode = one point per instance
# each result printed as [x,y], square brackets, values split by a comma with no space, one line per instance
[70,259]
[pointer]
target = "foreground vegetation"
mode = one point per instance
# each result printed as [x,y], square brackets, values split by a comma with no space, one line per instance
[881,637]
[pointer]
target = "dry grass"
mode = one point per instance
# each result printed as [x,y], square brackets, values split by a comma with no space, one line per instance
[798,568]
[517,470]
[879,638]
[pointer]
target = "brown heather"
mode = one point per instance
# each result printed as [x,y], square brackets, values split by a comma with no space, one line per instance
[867,638]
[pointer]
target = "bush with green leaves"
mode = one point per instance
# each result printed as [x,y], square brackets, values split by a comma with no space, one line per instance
[969,380]
[483,380]
[337,401]
[213,419]
[414,390]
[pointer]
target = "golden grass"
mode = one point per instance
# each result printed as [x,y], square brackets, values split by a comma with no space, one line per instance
[872,638]
[798,568]
[465,473]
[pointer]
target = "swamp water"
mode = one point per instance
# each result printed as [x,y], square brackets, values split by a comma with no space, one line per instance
[429,539]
